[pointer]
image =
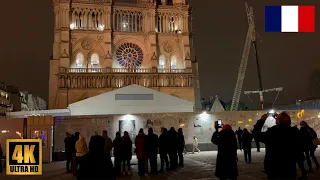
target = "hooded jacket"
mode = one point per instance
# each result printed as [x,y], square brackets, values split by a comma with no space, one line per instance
[81,147]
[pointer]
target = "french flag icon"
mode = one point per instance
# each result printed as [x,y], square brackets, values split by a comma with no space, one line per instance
[289,18]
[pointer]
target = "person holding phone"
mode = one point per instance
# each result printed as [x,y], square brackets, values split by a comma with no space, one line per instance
[226,164]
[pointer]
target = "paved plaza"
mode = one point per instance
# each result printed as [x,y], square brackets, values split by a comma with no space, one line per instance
[197,167]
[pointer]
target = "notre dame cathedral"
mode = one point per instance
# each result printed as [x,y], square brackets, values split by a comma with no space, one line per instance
[102,45]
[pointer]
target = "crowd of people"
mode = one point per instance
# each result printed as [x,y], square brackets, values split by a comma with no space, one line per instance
[96,162]
[286,146]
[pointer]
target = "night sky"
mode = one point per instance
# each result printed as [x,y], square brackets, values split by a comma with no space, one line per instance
[287,59]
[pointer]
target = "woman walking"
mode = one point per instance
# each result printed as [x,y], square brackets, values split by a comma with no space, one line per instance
[307,135]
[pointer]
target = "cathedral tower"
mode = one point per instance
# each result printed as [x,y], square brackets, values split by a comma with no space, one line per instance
[100,45]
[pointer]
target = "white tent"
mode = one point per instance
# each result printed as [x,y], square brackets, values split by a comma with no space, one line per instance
[130,100]
[217,106]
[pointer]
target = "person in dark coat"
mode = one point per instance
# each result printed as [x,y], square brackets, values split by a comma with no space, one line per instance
[246,145]
[257,130]
[127,152]
[96,164]
[300,156]
[239,133]
[117,152]
[226,165]
[282,149]
[180,144]
[1,154]
[152,146]
[307,135]
[74,140]
[68,148]
[172,149]
[141,152]
[163,149]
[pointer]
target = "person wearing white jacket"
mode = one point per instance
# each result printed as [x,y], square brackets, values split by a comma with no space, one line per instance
[195,145]
[81,149]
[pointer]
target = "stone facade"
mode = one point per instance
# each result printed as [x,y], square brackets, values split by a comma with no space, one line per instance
[100,45]
[199,124]
[5,105]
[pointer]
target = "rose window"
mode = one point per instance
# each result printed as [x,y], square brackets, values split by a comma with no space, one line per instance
[129,55]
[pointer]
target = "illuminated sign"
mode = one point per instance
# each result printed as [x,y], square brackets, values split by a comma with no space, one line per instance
[300,114]
[24,157]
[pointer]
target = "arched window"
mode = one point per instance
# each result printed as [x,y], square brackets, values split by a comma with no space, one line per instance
[94,60]
[161,62]
[80,60]
[173,63]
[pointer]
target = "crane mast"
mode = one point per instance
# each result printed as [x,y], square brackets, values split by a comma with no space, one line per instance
[251,37]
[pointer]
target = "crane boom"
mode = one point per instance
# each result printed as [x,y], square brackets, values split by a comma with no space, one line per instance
[251,36]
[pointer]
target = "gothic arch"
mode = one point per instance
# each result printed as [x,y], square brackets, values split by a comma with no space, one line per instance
[74,58]
[91,47]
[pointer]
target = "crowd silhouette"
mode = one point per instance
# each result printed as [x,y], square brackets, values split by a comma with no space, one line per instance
[285,147]
[96,163]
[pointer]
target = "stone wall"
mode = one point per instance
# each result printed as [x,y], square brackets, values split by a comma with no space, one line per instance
[199,124]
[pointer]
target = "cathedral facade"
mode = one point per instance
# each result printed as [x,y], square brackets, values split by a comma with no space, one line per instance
[102,45]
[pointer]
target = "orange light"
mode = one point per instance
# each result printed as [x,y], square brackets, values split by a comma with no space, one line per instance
[181,125]
[249,120]
[240,122]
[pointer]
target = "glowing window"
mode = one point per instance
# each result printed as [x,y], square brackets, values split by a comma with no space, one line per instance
[173,62]
[129,55]
[94,60]
[80,60]
[161,61]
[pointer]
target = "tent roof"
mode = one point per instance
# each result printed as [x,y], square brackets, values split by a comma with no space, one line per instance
[117,102]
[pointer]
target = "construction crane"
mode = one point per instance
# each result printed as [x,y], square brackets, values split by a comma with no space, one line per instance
[260,92]
[251,37]
[250,40]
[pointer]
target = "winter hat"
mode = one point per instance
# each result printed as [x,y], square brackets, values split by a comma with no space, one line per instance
[226,126]
[126,133]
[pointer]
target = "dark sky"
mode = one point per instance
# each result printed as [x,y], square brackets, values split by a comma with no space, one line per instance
[287,59]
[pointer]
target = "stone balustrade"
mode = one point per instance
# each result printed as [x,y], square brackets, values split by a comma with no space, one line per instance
[117,78]
[121,70]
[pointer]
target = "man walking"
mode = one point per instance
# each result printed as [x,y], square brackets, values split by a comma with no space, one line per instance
[195,145]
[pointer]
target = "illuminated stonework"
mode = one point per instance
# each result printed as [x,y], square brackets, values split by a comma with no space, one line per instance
[102,45]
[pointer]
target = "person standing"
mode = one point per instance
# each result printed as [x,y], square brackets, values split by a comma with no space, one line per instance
[152,145]
[282,149]
[68,150]
[127,153]
[74,138]
[141,152]
[307,135]
[246,145]
[107,142]
[117,152]
[172,149]
[1,154]
[163,149]
[96,164]
[257,130]
[181,145]
[239,133]
[195,145]
[226,165]
[81,150]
